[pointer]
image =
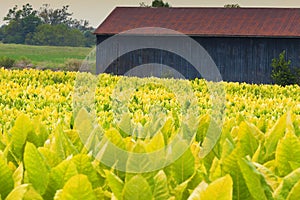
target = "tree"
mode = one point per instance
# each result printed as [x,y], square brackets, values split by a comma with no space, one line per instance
[55,16]
[282,73]
[28,26]
[159,3]
[20,23]
[63,16]
[231,6]
[1,33]
[56,35]
[143,4]
[155,3]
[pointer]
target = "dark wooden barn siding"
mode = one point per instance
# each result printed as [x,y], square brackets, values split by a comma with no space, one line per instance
[239,59]
[249,59]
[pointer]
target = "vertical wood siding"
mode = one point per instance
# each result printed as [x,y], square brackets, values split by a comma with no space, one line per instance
[239,59]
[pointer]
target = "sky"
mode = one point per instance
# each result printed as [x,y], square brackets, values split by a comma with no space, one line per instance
[95,11]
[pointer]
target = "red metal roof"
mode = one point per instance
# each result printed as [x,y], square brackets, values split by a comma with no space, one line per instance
[272,22]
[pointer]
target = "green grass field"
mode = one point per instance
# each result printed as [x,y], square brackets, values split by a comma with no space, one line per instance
[43,55]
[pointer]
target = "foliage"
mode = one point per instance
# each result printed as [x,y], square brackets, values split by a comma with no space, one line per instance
[1,32]
[159,3]
[232,6]
[23,63]
[7,62]
[156,3]
[29,26]
[282,73]
[55,35]
[256,157]
[55,16]
[21,22]
[73,64]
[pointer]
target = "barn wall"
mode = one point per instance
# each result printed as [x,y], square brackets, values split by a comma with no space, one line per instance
[249,59]
[240,59]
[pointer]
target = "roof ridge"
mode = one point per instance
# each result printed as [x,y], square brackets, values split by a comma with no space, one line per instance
[208,7]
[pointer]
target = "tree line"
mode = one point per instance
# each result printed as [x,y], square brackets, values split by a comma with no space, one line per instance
[46,26]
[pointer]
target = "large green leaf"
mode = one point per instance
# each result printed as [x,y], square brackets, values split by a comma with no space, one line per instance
[287,154]
[59,175]
[111,149]
[24,192]
[18,175]
[269,175]
[39,134]
[295,192]
[227,148]
[36,168]
[220,189]
[139,160]
[156,143]
[137,188]
[115,184]
[114,136]
[125,125]
[196,194]
[83,123]
[167,129]
[258,187]
[61,144]
[203,125]
[229,165]
[32,194]
[287,184]
[215,170]
[161,190]
[184,167]
[52,158]
[273,136]
[297,127]
[211,139]
[6,179]
[246,139]
[19,134]
[78,187]
[84,166]
[18,192]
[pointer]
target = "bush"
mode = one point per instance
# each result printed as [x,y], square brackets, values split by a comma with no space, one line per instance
[7,62]
[297,75]
[282,73]
[73,64]
[23,62]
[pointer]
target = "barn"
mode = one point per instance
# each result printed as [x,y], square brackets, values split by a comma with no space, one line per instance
[241,41]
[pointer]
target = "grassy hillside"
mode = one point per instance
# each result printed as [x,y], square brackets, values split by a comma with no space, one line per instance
[49,56]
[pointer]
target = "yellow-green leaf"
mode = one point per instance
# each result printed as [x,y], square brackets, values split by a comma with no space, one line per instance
[59,175]
[273,136]
[115,184]
[19,134]
[77,187]
[257,185]
[295,192]
[220,189]
[137,188]
[161,191]
[288,150]
[36,168]
[6,179]
[287,184]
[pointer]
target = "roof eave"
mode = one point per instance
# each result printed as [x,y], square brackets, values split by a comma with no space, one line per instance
[206,35]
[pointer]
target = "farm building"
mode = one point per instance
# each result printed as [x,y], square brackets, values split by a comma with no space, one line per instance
[241,41]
